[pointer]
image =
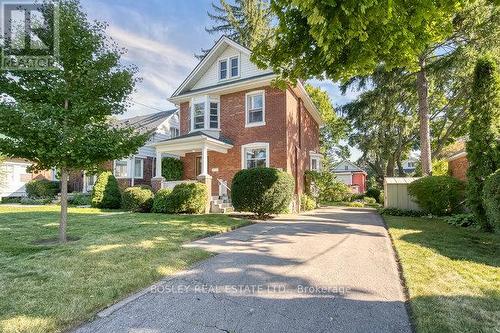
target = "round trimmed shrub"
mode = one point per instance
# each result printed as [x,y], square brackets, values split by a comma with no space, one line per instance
[307,202]
[137,199]
[42,188]
[438,195]
[172,168]
[160,200]
[491,198]
[369,200]
[374,193]
[190,198]
[262,191]
[106,192]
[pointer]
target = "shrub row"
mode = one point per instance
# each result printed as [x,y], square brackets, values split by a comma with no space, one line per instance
[42,189]
[187,198]
[438,195]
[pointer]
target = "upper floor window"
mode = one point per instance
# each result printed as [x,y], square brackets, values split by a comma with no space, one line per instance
[174,132]
[315,162]
[346,167]
[205,113]
[223,69]
[255,109]
[411,164]
[229,68]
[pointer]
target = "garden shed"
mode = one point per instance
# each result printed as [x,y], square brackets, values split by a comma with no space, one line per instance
[396,193]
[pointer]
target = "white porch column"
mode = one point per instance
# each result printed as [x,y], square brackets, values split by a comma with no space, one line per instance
[158,164]
[204,161]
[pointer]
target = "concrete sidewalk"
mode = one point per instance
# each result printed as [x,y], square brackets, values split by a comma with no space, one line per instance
[328,271]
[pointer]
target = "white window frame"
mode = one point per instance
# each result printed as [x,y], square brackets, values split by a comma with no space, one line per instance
[127,168]
[142,167]
[255,93]
[226,60]
[176,132]
[229,72]
[254,145]
[317,158]
[206,100]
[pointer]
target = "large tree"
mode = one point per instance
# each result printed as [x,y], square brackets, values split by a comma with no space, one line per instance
[245,21]
[314,38]
[334,128]
[60,118]
[483,146]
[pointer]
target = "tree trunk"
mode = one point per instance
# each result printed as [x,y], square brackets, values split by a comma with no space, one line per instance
[64,206]
[423,112]
[390,167]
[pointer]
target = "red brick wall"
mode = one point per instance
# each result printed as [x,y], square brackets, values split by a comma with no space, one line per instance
[458,168]
[360,180]
[290,131]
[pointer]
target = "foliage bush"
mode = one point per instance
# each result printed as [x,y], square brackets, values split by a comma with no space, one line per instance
[329,188]
[190,198]
[307,203]
[160,201]
[402,212]
[369,200]
[79,199]
[172,168]
[35,201]
[438,195]
[7,200]
[262,191]
[491,198]
[106,192]
[137,199]
[356,204]
[462,220]
[381,198]
[42,188]
[374,193]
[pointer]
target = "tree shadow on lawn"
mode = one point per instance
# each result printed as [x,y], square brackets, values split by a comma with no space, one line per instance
[453,242]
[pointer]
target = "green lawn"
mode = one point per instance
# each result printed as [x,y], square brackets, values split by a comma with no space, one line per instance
[453,275]
[48,288]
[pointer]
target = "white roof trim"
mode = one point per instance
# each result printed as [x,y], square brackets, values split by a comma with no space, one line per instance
[313,110]
[207,60]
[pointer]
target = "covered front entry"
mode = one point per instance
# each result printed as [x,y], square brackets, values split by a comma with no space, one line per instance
[197,144]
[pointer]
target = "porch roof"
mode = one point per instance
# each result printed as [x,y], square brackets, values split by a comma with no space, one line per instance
[193,142]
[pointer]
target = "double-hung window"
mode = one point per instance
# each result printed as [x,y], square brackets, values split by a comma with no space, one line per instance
[229,68]
[255,109]
[223,69]
[315,162]
[255,155]
[199,116]
[121,168]
[138,168]
[205,112]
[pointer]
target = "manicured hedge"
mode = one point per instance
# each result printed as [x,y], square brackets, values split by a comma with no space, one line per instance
[438,195]
[42,188]
[79,199]
[374,193]
[491,198]
[262,191]
[137,199]
[160,201]
[172,168]
[106,192]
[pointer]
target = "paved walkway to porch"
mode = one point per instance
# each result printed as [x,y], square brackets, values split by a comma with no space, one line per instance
[328,271]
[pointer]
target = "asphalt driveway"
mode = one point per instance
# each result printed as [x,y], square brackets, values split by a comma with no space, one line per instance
[328,271]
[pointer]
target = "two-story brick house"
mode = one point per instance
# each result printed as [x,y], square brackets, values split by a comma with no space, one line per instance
[231,118]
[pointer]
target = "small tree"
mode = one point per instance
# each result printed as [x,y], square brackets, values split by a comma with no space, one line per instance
[60,118]
[483,147]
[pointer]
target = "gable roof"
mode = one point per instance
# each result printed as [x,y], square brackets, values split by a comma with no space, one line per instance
[209,58]
[352,167]
[148,123]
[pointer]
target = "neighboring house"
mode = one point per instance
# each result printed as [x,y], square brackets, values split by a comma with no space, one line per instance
[409,165]
[352,175]
[139,168]
[231,118]
[14,176]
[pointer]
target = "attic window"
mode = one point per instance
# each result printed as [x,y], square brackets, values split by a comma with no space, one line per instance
[223,69]
[234,66]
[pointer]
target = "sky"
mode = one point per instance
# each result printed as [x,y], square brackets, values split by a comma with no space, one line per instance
[162,38]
